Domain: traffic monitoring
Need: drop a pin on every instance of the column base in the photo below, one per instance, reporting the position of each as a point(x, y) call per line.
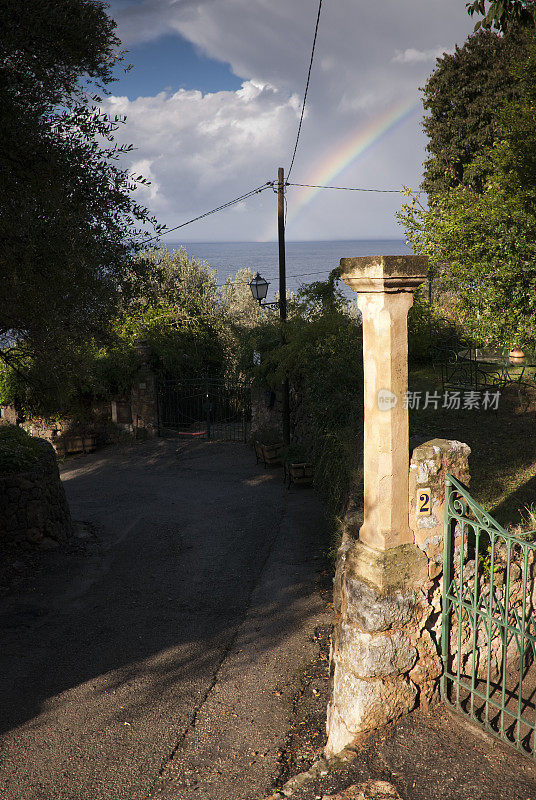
point(397, 568)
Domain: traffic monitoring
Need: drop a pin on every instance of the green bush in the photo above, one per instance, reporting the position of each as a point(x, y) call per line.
point(322, 357)
point(19, 451)
point(430, 333)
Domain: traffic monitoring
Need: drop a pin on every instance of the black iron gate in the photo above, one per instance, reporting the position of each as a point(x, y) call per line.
point(209, 408)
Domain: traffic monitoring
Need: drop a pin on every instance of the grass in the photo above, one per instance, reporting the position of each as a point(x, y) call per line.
point(503, 447)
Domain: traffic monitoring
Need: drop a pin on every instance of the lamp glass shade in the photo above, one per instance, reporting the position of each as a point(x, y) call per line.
point(259, 287)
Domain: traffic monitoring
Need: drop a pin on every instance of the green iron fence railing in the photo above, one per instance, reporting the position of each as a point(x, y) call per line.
point(488, 630)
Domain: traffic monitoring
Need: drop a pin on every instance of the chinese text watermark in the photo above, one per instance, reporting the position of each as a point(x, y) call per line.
point(472, 400)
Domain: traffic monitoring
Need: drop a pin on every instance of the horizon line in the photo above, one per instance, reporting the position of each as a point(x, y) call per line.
point(287, 241)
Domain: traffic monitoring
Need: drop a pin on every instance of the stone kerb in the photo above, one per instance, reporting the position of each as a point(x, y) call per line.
point(33, 505)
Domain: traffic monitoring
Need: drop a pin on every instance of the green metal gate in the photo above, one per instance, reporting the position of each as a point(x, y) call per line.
point(488, 632)
point(208, 408)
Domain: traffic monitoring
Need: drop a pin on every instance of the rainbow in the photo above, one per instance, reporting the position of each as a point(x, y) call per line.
point(350, 150)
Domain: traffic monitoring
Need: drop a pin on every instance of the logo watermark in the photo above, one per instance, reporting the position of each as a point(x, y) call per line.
point(386, 400)
point(450, 400)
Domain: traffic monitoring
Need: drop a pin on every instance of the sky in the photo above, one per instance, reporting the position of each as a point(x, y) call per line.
point(213, 100)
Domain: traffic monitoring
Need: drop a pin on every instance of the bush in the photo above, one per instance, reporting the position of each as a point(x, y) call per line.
point(429, 333)
point(19, 451)
point(322, 357)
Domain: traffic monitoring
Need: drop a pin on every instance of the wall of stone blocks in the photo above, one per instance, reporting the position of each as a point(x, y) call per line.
point(386, 648)
point(33, 505)
point(385, 654)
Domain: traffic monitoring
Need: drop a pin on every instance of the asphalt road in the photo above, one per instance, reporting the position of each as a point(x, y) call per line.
point(157, 657)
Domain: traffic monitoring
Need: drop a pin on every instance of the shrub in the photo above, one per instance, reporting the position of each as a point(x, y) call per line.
point(18, 450)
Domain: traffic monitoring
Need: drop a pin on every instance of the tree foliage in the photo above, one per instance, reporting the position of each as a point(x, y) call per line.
point(69, 224)
point(192, 327)
point(321, 353)
point(461, 97)
point(503, 14)
point(483, 242)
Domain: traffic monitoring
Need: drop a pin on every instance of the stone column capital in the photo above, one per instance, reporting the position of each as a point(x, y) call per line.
point(384, 274)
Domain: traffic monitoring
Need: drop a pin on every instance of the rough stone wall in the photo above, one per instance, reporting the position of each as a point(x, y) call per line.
point(265, 416)
point(372, 654)
point(56, 431)
point(386, 647)
point(143, 399)
point(33, 506)
point(494, 648)
point(9, 415)
point(385, 655)
point(429, 464)
point(262, 414)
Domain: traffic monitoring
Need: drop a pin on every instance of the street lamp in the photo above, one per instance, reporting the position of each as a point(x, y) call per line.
point(259, 290)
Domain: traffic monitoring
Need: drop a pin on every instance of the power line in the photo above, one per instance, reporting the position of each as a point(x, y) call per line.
point(304, 274)
point(346, 188)
point(306, 90)
point(298, 275)
point(245, 196)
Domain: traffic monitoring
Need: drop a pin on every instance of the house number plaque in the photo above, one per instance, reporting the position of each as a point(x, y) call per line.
point(424, 502)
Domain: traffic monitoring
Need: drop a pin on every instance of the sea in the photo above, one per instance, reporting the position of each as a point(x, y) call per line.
point(306, 262)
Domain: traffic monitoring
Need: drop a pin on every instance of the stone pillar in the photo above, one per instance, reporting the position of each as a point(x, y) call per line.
point(384, 287)
point(378, 573)
point(144, 400)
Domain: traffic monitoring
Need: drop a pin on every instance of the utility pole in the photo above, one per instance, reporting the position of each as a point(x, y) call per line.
point(283, 293)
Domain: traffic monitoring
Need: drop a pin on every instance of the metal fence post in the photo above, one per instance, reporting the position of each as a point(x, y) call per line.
point(447, 577)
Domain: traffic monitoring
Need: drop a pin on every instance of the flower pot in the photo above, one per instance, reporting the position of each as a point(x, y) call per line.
point(299, 472)
point(516, 356)
point(269, 454)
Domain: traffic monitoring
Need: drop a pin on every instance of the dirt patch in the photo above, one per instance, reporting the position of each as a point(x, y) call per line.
point(307, 734)
point(431, 755)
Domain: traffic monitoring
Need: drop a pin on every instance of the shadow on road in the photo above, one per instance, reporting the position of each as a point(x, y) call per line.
point(129, 631)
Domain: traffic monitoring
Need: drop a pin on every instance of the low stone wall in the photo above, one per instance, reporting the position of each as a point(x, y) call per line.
point(386, 646)
point(266, 410)
point(33, 506)
point(493, 648)
point(385, 655)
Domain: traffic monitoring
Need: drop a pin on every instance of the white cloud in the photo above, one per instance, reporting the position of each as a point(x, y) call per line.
point(412, 56)
point(203, 149)
point(146, 193)
point(200, 150)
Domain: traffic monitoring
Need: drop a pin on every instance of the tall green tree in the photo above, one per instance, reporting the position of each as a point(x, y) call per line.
point(461, 98)
point(483, 239)
point(68, 221)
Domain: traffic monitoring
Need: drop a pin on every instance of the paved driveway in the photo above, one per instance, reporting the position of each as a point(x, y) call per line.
point(157, 657)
